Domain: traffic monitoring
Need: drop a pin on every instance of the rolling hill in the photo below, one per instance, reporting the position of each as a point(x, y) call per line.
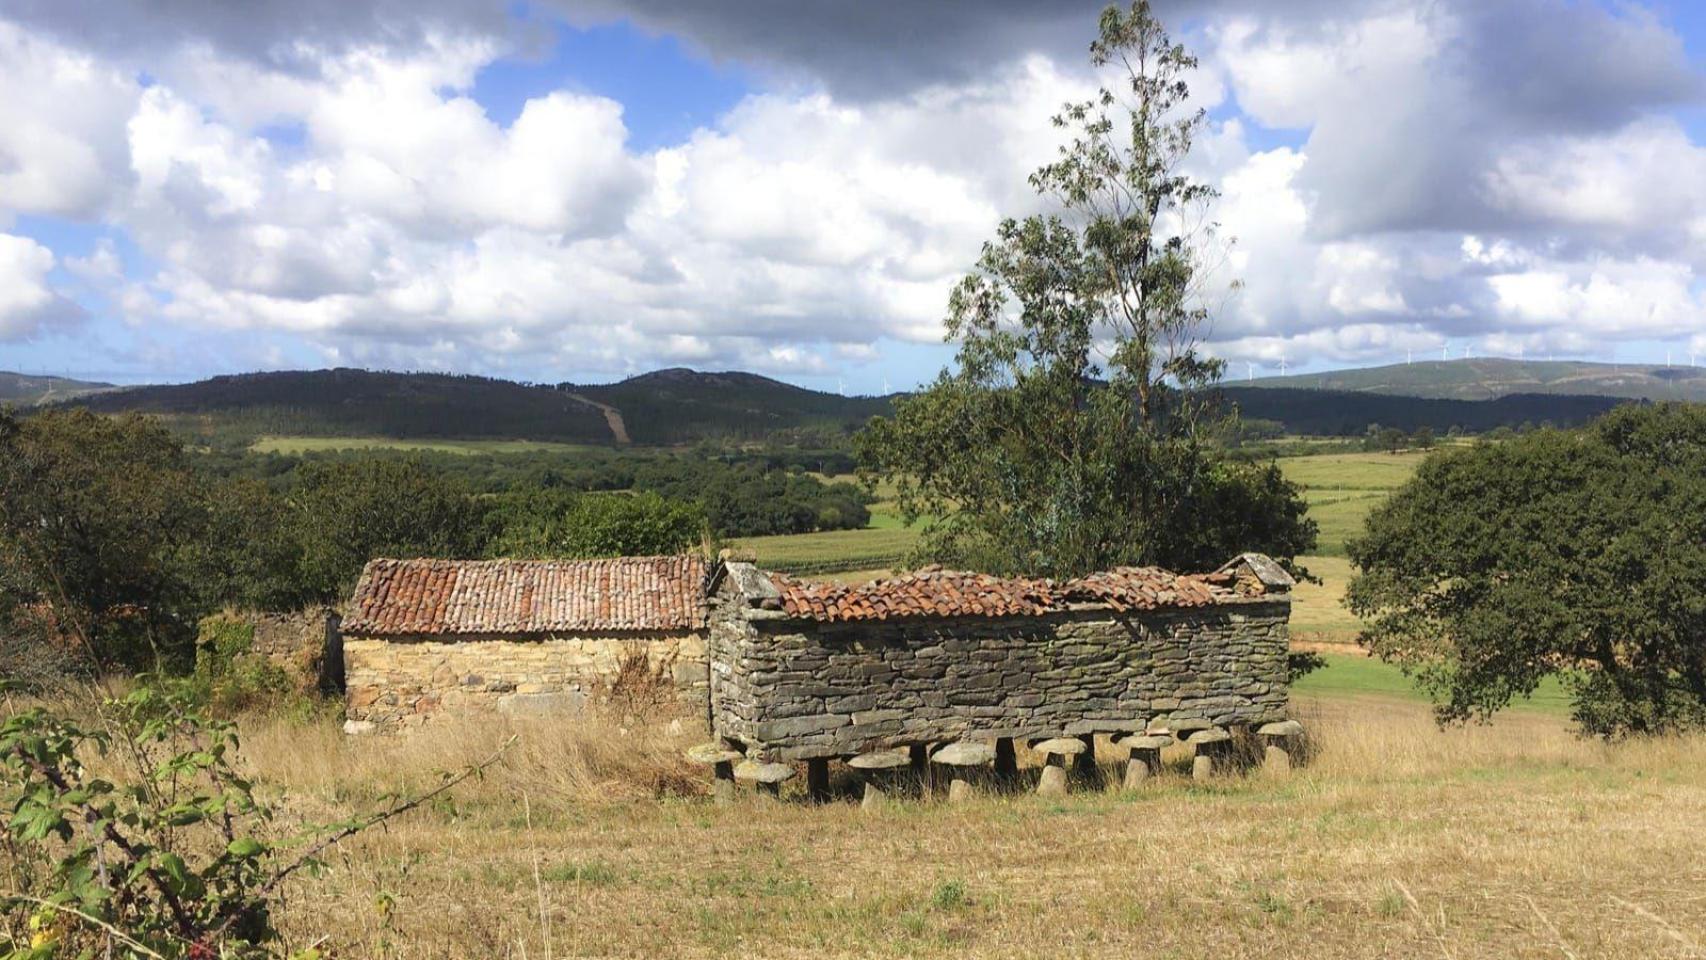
point(680, 406)
point(1338, 413)
point(27, 390)
point(1491, 378)
point(664, 407)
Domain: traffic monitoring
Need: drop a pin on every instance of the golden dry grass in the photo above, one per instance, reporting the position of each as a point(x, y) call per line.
point(1399, 840)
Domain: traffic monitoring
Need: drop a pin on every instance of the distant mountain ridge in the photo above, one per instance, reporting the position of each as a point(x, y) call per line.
point(662, 407)
point(680, 406)
point(27, 390)
point(1490, 378)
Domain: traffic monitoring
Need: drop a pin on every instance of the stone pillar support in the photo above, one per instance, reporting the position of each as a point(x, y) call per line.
point(1279, 742)
point(722, 762)
point(877, 771)
point(1145, 759)
point(1055, 750)
point(963, 756)
point(1210, 746)
point(766, 778)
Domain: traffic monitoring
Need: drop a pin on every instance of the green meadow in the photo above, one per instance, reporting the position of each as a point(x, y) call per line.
point(299, 445)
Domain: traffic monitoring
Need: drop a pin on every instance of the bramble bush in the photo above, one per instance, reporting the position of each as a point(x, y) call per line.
point(134, 835)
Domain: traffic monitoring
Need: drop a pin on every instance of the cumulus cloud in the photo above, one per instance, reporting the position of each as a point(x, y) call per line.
point(28, 304)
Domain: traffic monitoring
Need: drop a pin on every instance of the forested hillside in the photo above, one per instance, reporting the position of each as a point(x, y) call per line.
point(678, 406)
point(1487, 378)
point(1342, 413)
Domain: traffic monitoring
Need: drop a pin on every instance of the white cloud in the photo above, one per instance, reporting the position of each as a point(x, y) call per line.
point(61, 128)
point(1614, 299)
point(28, 304)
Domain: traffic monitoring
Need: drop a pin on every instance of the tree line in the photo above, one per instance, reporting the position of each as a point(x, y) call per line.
point(112, 529)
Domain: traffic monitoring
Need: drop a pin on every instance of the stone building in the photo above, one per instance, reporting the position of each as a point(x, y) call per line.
point(807, 671)
point(429, 637)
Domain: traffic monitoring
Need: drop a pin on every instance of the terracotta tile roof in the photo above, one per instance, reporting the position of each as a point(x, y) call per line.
point(450, 597)
point(950, 593)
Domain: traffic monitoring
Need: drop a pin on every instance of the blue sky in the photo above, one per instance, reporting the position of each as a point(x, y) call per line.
point(567, 190)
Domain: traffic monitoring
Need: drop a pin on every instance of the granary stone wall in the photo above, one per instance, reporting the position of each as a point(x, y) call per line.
point(305, 644)
point(792, 688)
point(398, 682)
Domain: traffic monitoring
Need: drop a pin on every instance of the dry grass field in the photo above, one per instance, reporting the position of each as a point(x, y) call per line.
point(1398, 840)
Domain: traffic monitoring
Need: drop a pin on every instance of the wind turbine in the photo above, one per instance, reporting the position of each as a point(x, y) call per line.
point(1249, 370)
point(841, 386)
point(1282, 365)
point(1444, 353)
point(1409, 356)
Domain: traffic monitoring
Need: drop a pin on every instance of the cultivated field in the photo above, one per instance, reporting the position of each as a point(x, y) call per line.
point(1399, 840)
point(299, 445)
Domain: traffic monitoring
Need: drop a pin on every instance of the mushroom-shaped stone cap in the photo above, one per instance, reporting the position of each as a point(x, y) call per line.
point(1178, 726)
point(758, 772)
point(881, 760)
point(964, 753)
point(1283, 728)
point(1059, 746)
point(1211, 735)
point(713, 753)
point(1154, 741)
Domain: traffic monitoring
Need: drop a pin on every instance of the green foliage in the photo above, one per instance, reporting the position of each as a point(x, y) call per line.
point(96, 516)
point(220, 640)
point(1580, 555)
point(348, 512)
point(560, 523)
point(1076, 433)
point(230, 679)
point(133, 835)
point(171, 859)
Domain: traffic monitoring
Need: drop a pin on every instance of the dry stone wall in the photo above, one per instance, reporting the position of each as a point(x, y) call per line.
point(398, 682)
point(787, 689)
point(302, 643)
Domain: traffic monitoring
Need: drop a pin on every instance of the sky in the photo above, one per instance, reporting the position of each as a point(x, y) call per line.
point(582, 190)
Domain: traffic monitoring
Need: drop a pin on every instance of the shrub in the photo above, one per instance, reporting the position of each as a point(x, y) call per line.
point(134, 836)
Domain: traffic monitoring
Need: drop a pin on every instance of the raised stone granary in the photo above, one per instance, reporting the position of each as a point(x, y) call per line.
point(430, 637)
point(808, 671)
